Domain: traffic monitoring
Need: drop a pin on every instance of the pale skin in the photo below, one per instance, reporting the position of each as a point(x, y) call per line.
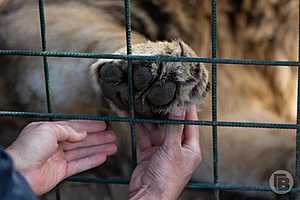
point(166, 163)
point(45, 153)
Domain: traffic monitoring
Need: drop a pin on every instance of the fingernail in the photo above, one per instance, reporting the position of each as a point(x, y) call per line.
point(179, 112)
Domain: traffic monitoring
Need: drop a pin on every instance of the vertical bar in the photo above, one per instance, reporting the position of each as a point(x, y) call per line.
point(44, 48)
point(46, 68)
point(297, 181)
point(214, 93)
point(130, 81)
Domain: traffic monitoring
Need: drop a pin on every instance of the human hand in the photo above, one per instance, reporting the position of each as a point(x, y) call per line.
point(47, 152)
point(166, 164)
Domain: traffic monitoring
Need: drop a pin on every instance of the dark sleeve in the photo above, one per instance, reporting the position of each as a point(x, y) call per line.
point(12, 184)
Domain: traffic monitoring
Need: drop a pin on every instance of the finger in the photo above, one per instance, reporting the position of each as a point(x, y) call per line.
point(64, 133)
point(92, 140)
point(191, 132)
point(143, 136)
point(77, 166)
point(84, 125)
point(77, 154)
point(174, 132)
point(57, 131)
point(156, 134)
point(150, 127)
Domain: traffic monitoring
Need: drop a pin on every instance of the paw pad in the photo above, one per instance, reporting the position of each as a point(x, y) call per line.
point(158, 86)
point(162, 93)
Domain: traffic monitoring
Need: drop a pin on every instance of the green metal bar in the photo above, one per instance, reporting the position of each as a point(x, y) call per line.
point(163, 58)
point(190, 185)
point(44, 48)
point(58, 116)
point(214, 95)
point(46, 68)
point(130, 83)
point(214, 60)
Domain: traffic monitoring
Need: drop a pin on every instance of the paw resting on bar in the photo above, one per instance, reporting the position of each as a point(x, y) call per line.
point(158, 86)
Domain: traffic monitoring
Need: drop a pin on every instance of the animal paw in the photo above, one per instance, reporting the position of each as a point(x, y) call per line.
point(159, 87)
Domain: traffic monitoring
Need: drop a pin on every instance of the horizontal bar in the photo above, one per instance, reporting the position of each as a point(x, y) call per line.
point(191, 185)
point(257, 125)
point(59, 116)
point(148, 58)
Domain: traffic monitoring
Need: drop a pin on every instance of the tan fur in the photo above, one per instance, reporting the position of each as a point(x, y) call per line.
point(189, 80)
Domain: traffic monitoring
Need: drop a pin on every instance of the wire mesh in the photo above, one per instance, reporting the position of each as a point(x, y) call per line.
point(46, 68)
point(214, 95)
point(214, 60)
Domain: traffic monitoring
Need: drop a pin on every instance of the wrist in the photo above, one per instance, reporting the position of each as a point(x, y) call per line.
point(19, 167)
point(153, 193)
point(15, 158)
point(144, 192)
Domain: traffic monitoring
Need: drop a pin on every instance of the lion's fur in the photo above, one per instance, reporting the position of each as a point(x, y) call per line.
point(265, 30)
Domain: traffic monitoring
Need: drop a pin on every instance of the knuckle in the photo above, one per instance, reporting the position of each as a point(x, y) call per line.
point(111, 132)
point(114, 148)
point(51, 127)
point(197, 157)
point(177, 128)
point(34, 124)
point(42, 125)
point(197, 150)
point(113, 136)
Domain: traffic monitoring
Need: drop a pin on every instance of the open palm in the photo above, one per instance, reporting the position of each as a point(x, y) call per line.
point(47, 152)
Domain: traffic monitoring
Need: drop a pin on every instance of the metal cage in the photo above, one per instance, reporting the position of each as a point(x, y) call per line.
point(214, 123)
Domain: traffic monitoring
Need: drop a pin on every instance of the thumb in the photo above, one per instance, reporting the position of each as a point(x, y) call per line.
point(174, 132)
point(65, 133)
